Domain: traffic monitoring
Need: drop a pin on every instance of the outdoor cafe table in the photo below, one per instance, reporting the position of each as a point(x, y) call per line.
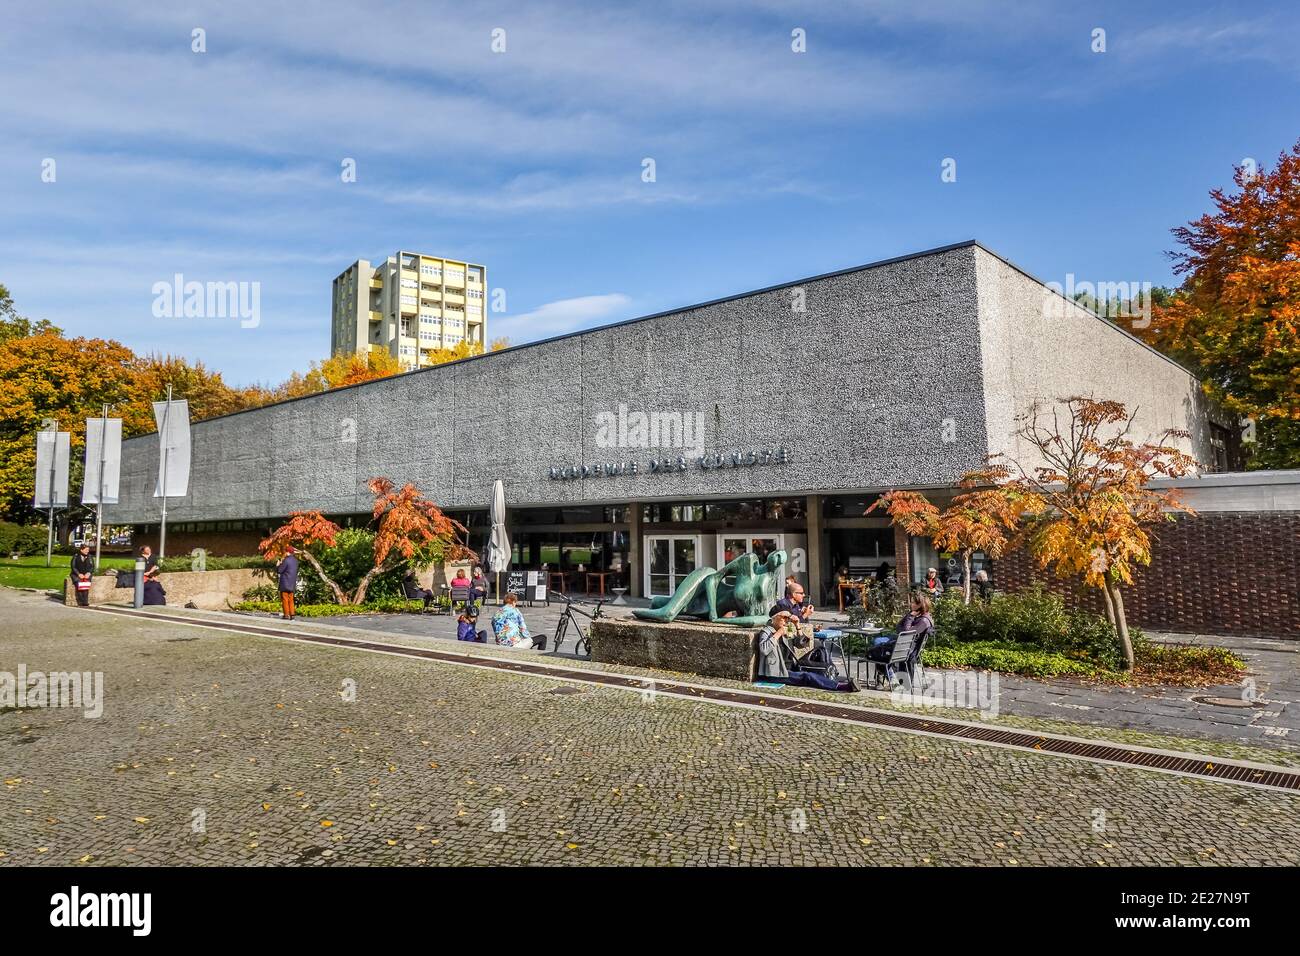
point(859, 586)
point(865, 632)
point(600, 577)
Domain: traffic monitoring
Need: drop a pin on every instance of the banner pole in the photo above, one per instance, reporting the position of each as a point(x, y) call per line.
point(162, 441)
point(54, 459)
point(103, 461)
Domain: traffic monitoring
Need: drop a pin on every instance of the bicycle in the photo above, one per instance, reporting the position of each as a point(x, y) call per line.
point(583, 640)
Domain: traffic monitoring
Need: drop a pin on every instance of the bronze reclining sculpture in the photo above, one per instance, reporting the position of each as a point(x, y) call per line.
point(743, 586)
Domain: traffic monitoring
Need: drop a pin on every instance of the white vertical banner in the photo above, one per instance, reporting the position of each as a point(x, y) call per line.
point(52, 452)
point(103, 448)
point(173, 420)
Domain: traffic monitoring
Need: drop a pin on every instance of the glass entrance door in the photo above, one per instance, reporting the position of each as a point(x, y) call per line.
point(732, 546)
point(668, 559)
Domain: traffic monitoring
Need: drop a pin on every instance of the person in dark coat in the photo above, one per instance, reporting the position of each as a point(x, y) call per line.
point(288, 569)
point(153, 592)
point(83, 568)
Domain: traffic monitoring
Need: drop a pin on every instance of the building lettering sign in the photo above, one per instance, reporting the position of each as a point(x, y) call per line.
point(670, 465)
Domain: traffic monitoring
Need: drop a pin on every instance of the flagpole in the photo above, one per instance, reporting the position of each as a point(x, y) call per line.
point(103, 460)
point(162, 441)
point(54, 464)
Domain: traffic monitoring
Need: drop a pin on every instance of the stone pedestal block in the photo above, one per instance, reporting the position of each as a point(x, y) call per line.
point(711, 650)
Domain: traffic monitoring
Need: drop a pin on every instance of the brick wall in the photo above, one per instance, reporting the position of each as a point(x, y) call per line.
point(1214, 573)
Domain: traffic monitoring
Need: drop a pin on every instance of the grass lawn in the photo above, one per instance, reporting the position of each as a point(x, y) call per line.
point(31, 572)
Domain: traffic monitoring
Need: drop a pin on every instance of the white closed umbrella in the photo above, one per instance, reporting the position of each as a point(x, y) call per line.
point(498, 556)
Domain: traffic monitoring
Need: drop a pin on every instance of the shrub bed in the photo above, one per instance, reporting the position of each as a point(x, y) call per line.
point(378, 606)
point(1032, 632)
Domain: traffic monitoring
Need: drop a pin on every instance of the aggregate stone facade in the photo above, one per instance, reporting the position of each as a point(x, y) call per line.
point(895, 374)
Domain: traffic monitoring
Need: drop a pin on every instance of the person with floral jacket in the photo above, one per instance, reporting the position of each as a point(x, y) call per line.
point(509, 626)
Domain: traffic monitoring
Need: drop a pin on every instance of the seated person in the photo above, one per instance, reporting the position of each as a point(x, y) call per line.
point(917, 619)
point(465, 626)
point(842, 576)
point(413, 592)
point(478, 586)
point(153, 592)
point(460, 580)
point(772, 647)
point(932, 585)
point(509, 627)
point(150, 562)
point(793, 603)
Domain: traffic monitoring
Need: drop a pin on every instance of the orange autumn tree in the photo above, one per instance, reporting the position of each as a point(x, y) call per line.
point(410, 529)
point(1236, 319)
point(1087, 500)
point(337, 371)
point(303, 531)
point(982, 518)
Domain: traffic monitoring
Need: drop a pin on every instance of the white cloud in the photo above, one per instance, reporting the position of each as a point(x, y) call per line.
point(560, 317)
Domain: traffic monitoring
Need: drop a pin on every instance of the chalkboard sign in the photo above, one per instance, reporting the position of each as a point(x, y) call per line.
point(515, 584)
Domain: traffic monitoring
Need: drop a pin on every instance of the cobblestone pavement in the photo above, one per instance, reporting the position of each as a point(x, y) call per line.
point(439, 764)
point(1270, 719)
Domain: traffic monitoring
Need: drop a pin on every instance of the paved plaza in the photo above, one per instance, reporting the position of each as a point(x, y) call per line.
point(224, 748)
point(1264, 713)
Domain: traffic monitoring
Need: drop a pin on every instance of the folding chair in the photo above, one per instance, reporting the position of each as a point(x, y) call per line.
point(412, 591)
point(459, 599)
point(900, 661)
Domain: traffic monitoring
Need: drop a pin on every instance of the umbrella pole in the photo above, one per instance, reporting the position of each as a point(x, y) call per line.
point(498, 587)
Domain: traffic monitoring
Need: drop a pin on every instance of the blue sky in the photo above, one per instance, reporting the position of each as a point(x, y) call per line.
point(771, 165)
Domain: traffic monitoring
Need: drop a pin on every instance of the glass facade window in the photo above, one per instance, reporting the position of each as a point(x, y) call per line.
point(847, 506)
point(659, 513)
point(748, 510)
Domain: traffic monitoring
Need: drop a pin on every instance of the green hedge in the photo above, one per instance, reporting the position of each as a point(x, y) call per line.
point(1009, 658)
point(1036, 618)
point(25, 539)
point(380, 606)
point(186, 562)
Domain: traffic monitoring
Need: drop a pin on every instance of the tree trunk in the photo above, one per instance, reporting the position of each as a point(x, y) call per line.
point(1110, 607)
point(965, 572)
point(1121, 624)
point(360, 596)
point(339, 596)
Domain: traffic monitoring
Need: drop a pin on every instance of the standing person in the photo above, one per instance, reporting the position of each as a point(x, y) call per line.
point(83, 568)
point(288, 570)
point(983, 585)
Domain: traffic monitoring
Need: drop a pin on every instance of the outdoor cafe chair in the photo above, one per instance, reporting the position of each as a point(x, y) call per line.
point(904, 661)
point(459, 599)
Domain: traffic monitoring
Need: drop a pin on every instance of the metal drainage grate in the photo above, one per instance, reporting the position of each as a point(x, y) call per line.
point(1226, 702)
point(1211, 768)
point(567, 689)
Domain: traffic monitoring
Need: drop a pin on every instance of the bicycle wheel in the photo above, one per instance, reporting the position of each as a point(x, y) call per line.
point(561, 628)
point(582, 647)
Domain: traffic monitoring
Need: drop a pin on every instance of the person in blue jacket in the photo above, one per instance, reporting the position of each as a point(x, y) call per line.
point(465, 626)
point(288, 569)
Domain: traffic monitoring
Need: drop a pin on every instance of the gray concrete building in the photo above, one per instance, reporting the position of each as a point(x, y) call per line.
point(642, 449)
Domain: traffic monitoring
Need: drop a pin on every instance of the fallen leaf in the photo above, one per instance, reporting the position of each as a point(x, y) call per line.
point(327, 823)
